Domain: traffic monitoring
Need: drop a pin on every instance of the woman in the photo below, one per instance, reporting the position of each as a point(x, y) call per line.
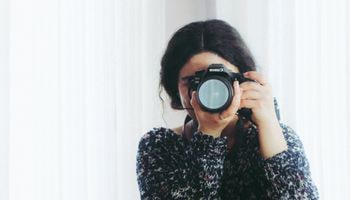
point(220, 155)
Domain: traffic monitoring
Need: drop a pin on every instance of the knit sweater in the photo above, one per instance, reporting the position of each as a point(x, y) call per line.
point(171, 167)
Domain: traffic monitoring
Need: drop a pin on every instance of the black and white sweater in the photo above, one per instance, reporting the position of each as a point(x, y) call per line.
point(171, 167)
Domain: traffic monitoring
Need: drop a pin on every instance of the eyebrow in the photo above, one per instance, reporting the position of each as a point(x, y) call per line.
point(186, 77)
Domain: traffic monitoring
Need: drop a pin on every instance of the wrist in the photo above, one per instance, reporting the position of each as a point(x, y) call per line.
point(271, 139)
point(273, 122)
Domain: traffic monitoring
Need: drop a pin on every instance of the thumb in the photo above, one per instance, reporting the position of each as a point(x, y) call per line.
point(194, 101)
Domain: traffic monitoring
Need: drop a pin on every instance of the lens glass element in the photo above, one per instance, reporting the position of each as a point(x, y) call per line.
point(213, 93)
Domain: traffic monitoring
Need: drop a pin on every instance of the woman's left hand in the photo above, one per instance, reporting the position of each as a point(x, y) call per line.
point(258, 97)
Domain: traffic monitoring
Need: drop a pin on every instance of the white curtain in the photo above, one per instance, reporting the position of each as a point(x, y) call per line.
point(79, 87)
point(303, 47)
point(75, 96)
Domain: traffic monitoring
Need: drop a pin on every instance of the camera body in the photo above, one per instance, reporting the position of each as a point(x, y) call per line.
point(214, 88)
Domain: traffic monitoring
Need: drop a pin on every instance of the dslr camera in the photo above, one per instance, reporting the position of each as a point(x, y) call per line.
point(214, 89)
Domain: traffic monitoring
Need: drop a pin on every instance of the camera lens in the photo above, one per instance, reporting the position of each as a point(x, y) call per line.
point(213, 94)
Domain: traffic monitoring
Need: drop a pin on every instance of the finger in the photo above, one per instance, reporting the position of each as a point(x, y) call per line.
point(231, 110)
point(251, 95)
point(237, 94)
point(256, 76)
point(248, 103)
point(196, 106)
point(194, 102)
point(249, 85)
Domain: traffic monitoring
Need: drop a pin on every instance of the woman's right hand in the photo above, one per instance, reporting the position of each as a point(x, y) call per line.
point(213, 123)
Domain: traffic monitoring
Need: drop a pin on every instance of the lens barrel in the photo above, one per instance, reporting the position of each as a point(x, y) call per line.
point(214, 88)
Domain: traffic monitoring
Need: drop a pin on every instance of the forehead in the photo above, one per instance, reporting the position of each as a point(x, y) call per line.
point(201, 61)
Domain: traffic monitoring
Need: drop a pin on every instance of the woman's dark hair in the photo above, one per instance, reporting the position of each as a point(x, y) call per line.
point(215, 36)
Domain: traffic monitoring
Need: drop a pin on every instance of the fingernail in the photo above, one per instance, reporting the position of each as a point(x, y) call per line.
point(246, 73)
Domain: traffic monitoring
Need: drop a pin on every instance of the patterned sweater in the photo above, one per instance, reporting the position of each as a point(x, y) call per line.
point(171, 167)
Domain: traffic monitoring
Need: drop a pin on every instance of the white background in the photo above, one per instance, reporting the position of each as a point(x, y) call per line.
point(79, 87)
